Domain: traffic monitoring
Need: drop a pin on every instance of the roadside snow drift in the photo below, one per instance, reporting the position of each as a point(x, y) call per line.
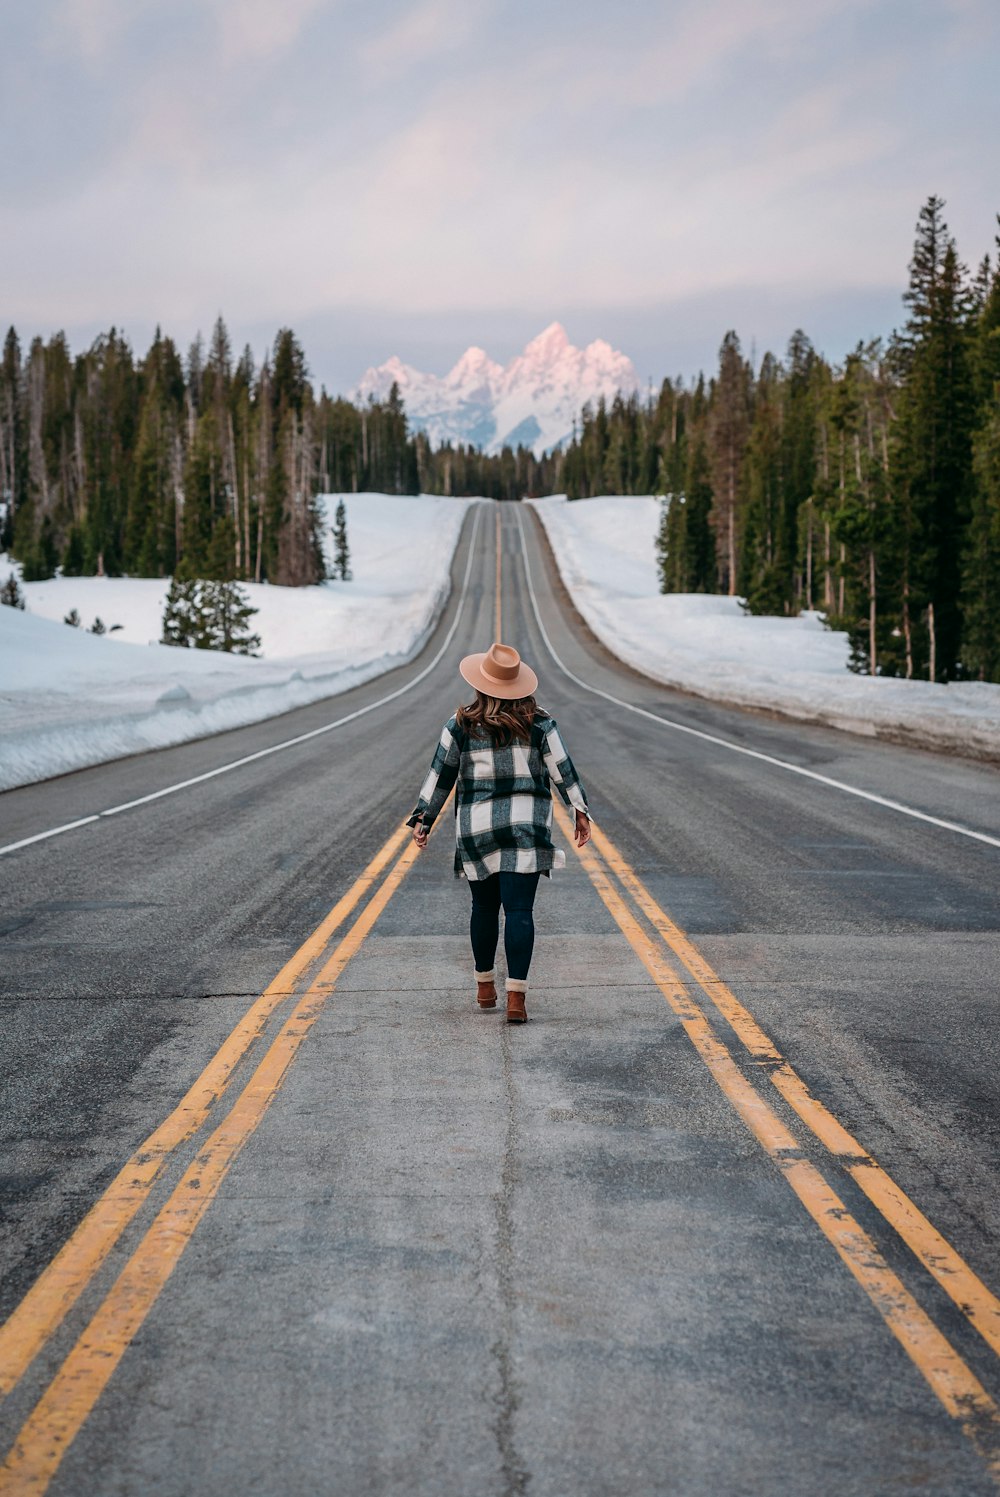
point(706, 645)
point(69, 698)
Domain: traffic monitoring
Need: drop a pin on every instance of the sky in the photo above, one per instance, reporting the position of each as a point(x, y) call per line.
point(414, 176)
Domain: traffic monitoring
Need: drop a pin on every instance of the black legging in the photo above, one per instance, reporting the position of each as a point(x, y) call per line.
point(516, 892)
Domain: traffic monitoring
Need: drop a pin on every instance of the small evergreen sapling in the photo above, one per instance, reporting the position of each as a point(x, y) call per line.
point(205, 615)
point(229, 612)
point(98, 626)
point(341, 550)
point(11, 593)
point(183, 617)
point(72, 619)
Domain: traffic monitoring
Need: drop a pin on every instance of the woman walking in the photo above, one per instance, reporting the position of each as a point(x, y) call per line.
point(505, 754)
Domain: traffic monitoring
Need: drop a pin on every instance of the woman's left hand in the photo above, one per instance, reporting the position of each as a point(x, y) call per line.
point(581, 834)
point(420, 833)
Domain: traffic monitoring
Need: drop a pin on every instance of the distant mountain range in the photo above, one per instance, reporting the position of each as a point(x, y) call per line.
point(532, 401)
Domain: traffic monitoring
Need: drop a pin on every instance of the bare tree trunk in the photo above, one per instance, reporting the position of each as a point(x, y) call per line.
point(177, 479)
point(38, 476)
point(824, 445)
point(246, 507)
point(841, 581)
point(933, 641)
point(809, 559)
point(234, 488)
point(263, 464)
point(907, 632)
point(872, 652)
point(79, 465)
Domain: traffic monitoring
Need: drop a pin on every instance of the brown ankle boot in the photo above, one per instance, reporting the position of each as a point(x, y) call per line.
point(486, 992)
point(516, 1012)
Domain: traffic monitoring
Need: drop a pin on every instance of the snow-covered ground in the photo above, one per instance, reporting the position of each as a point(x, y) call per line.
point(605, 550)
point(70, 698)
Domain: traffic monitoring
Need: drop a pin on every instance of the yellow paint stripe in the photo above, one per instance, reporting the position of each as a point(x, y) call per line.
point(954, 1383)
point(934, 1251)
point(60, 1285)
point(69, 1399)
point(499, 615)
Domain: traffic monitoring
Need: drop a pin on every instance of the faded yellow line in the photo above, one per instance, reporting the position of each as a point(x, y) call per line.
point(499, 615)
point(954, 1383)
point(60, 1285)
point(69, 1399)
point(935, 1252)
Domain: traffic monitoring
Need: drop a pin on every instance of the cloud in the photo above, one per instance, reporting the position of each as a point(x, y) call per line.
point(285, 161)
point(427, 30)
point(94, 28)
point(261, 29)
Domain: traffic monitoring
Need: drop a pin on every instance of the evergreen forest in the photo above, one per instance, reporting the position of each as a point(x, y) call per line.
point(869, 490)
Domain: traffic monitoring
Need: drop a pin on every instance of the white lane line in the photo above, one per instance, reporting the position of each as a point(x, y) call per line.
point(738, 748)
point(275, 748)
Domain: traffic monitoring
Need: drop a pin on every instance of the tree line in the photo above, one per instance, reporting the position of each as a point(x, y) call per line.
point(198, 466)
point(202, 465)
point(869, 490)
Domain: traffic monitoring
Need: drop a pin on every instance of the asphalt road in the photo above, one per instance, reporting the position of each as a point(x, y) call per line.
point(418, 1251)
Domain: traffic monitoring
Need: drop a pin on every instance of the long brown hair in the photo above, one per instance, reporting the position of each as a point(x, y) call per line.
point(503, 721)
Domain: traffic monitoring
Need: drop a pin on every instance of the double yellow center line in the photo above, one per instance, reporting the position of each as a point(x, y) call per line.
point(672, 961)
point(86, 1371)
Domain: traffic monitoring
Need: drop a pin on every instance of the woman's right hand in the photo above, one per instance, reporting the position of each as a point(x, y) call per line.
point(420, 833)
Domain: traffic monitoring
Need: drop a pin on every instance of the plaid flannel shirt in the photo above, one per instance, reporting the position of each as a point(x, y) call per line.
point(503, 805)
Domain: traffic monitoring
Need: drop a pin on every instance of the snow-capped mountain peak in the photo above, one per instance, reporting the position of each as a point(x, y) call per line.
point(548, 346)
point(475, 370)
point(532, 401)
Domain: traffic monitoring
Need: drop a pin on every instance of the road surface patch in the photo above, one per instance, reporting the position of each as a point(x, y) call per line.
point(951, 1379)
point(937, 1255)
point(78, 1384)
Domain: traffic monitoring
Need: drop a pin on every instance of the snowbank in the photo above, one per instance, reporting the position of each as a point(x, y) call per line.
point(605, 551)
point(69, 698)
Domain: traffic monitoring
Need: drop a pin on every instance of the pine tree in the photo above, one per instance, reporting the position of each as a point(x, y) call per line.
point(341, 551)
point(74, 555)
point(295, 517)
point(206, 614)
point(98, 626)
point(11, 594)
point(670, 544)
point(228, 610)
point(764, 573)
point(932, 453)
point(699, 546)
point(184, 622)
point(862, 518)
point(72, 619)
point(12, 437)
point(151, 525)
point(728, 438)
point(981, 560)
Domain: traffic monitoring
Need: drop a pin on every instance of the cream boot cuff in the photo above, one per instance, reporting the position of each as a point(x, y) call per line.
point(517, 984)
point(486, 976)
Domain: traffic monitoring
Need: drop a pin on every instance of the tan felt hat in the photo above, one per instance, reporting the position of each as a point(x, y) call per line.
point(500, 672)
